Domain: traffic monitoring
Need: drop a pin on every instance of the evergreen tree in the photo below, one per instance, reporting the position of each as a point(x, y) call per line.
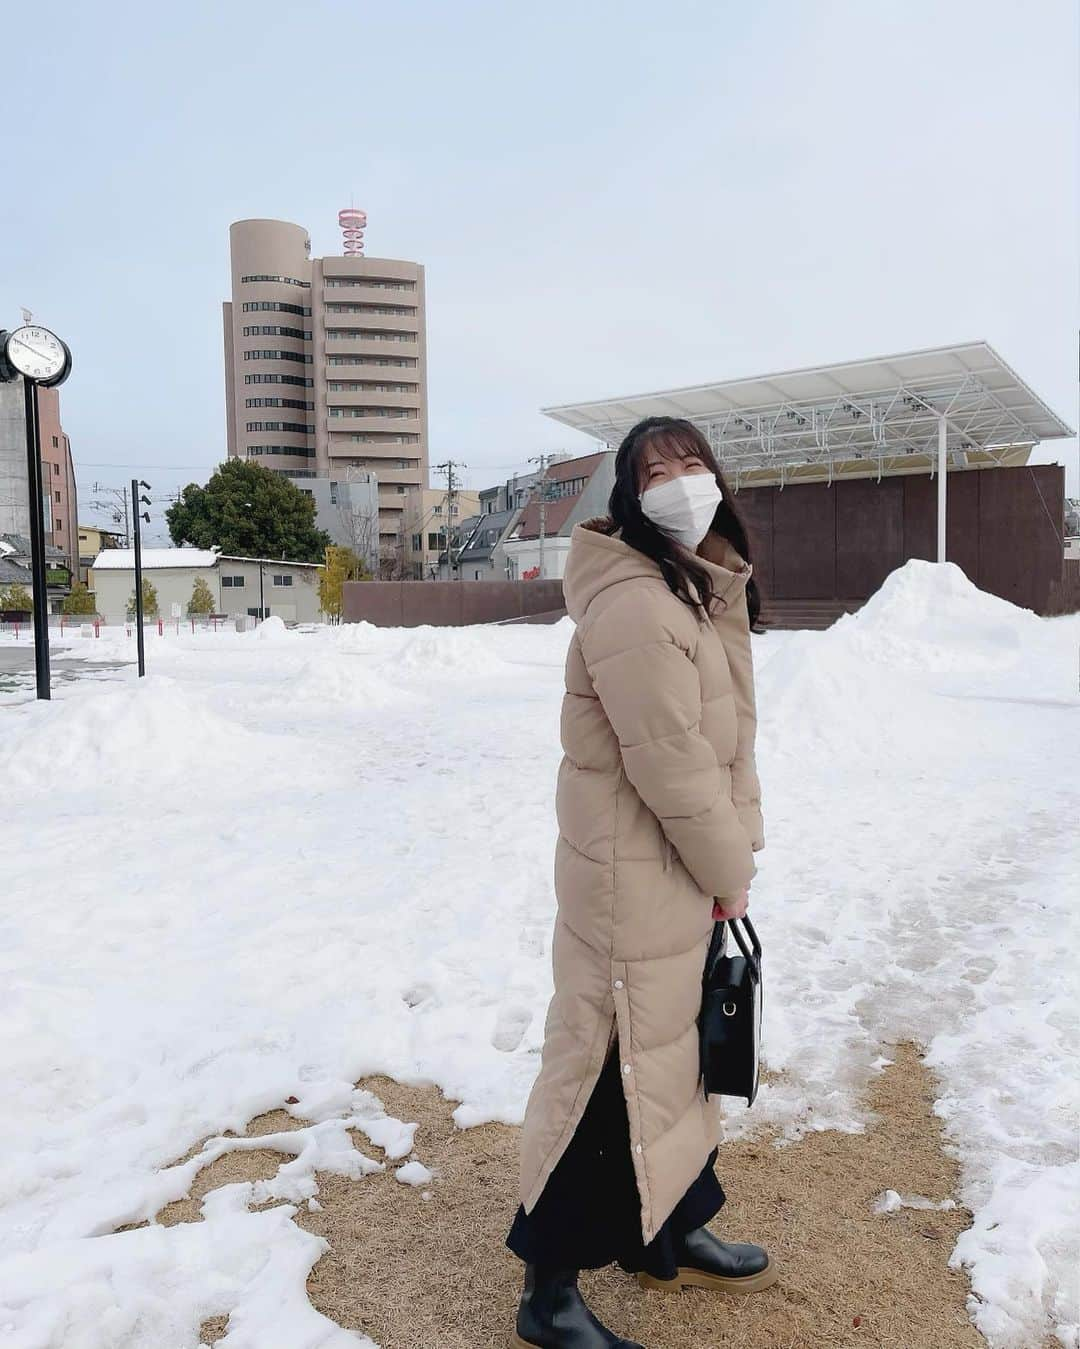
point(80, 601)
point(248, 511)
point(17, 598)
point(202, 598)
point(149, 601)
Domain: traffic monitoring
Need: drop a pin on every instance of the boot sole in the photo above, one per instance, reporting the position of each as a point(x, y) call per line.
point(516, 1342)
point(717, 1283)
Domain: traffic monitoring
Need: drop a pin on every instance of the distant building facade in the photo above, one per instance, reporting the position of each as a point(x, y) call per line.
point(427, 510)
point(482, 557)
point(326, 364)
point(347, 508)
point(93, 540)
point(573, 490)
point(59, 492)
point(240, 585)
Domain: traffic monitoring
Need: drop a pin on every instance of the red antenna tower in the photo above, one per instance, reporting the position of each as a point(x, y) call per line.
point(353, 223)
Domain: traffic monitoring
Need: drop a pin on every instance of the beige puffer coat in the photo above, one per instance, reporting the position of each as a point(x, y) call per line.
point(659, 811)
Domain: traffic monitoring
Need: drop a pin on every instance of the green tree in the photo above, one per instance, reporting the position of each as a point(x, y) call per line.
point(16, 597)
point(149, 601)
point(342, 565)
point(202, 598)
point(80, 601)
point(250, 512)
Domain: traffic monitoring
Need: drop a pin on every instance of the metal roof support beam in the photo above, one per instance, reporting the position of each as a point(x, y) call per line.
point(942, 479)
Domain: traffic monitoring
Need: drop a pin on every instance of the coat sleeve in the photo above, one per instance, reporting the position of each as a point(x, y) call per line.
point(733, 627)
point(650, 691)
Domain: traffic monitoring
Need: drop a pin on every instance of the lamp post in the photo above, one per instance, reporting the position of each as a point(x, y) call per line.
point(41, 359)
point(137, 501)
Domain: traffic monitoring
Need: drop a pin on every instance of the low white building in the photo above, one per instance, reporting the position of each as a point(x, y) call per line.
point(239, 585)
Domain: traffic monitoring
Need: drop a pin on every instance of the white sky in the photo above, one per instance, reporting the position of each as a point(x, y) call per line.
point(608, 197)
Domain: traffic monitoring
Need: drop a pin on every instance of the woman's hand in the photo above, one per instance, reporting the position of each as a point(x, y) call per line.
point(735, 907)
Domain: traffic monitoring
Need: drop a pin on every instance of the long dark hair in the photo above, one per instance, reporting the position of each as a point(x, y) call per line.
point(675, 438)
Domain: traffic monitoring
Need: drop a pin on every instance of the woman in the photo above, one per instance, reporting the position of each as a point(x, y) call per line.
point(659, 815)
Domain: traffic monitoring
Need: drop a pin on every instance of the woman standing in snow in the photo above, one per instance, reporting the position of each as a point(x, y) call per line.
point(659, 815)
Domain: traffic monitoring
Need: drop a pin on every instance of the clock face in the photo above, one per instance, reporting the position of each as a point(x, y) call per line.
point(35, 352)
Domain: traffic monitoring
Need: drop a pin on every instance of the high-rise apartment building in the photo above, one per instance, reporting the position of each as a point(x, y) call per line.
point(325, 364)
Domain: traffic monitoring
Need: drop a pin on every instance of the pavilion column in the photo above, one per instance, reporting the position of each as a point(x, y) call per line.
point(942, 436)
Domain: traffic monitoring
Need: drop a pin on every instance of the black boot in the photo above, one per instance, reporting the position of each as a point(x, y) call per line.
point(704, 1261)
point(553, 1315)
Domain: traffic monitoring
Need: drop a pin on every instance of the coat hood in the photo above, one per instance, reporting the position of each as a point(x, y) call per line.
point(599, 558)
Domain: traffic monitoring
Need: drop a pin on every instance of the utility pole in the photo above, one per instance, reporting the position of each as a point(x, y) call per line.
point(137, 501)
point(451, 492)
point(542, 485)
point(117, 508)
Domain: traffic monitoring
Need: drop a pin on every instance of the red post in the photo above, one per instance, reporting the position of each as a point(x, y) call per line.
point(160, 628)
point(97, 628)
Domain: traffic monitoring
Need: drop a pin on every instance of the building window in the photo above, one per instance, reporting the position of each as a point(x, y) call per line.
point(367, 335)
point(283, 580)
point(417, 543)
point(434, 542)
point(56, 443)
point(275, 330)
point(298, 403)
point(58, 496)
point(283, 280)
point(298, 428)
point(56, 470)
point(279, 379)
point(301, 451)
point(232, 583)
point(278, 356)
point(56, 524)
point(403, 362)
point(370, 283)
point(277, 307)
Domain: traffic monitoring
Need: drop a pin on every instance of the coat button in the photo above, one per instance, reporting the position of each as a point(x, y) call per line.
point(626, 1068)
point(618, 983)
point(637, 1147)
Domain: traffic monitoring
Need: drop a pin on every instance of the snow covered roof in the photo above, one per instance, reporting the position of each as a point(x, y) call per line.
point(882, 410)
point(158, 559)
point(154, 559)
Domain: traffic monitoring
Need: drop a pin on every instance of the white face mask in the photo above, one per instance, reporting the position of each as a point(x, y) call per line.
point(683, 507)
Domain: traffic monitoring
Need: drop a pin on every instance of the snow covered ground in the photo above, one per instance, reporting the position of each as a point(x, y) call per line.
point(286, 860)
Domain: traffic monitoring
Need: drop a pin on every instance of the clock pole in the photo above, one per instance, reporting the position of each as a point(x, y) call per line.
point(39, 357)
point(37, 539)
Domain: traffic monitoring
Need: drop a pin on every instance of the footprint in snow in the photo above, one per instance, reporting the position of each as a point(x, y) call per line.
point(510, 1027)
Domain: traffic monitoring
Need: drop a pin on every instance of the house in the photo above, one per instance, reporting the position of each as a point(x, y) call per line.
point(240, 585)
point(424, 529)
point(15, 548)
point(482, 558)
point(93, 540)
point(572, 490)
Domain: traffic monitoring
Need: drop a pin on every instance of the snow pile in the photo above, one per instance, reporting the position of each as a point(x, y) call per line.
point(273, 629)
point(234, 901)
point(931, 617)
point(328, 681)
point(447, 651)
point(153, 733)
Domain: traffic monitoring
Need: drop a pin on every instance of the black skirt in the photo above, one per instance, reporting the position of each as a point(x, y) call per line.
point(589, 1212)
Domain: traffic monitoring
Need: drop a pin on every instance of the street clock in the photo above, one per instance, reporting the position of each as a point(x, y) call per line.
point(35, 353)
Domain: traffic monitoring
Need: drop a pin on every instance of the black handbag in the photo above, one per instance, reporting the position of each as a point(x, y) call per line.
point(730, 1017)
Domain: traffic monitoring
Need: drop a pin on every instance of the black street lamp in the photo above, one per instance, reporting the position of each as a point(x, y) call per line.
point(42, 359)
point(137, 501)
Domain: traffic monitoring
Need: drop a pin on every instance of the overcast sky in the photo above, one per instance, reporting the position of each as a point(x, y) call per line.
point(609, 196)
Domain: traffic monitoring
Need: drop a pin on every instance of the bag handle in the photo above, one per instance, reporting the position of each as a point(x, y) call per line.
point(752, 952)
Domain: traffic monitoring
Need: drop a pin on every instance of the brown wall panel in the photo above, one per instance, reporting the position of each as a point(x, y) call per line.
point(1021, 524)
point(804, 540)
point(869, 534)
point(755, 507)
point(920, 517)
point(412, 604)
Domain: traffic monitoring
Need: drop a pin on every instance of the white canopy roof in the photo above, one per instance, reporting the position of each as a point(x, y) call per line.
point(880, 410)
